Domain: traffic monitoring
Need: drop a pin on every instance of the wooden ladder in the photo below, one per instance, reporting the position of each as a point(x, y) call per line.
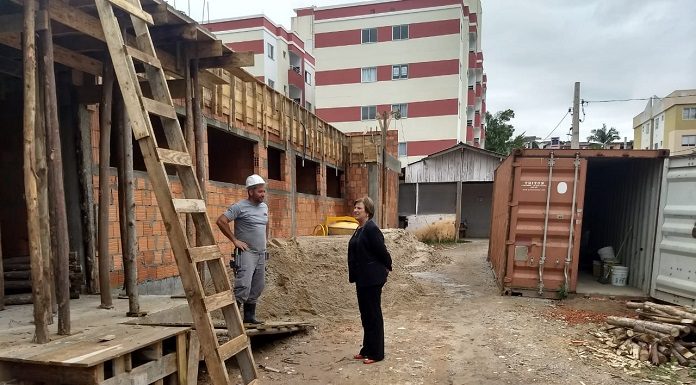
point(139, 109)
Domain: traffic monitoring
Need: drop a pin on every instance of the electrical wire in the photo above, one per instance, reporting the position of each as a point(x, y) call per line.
point(559, 123)
point(635, 99)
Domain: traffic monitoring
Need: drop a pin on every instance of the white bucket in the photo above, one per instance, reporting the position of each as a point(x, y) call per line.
point(606, 253)
point(619, 275)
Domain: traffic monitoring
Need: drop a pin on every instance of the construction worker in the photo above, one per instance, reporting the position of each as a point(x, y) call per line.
point(251, 230)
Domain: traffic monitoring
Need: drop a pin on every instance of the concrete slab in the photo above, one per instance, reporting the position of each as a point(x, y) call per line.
point(587, 284)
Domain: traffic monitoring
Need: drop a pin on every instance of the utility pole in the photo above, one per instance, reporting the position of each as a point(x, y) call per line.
point(575, 137)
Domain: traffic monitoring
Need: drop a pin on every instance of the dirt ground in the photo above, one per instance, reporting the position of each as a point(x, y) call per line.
point(451, 327)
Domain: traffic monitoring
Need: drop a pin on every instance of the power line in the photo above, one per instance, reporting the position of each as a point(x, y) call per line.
point(634, 99)
point(559, 123)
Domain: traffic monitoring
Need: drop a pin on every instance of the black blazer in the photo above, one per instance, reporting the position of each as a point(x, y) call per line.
point(369, 261)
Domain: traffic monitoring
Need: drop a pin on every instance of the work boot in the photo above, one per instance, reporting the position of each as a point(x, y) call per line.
point(250, 314)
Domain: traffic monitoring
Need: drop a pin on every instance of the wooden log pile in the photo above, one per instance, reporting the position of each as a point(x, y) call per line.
point(660, 334)
point(17, 279)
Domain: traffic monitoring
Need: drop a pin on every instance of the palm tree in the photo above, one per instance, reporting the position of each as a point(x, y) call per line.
point(604, 136)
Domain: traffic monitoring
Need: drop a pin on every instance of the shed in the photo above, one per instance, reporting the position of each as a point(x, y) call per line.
point(455, 184)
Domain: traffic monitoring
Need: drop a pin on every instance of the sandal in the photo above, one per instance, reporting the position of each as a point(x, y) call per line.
point(368, 361)
point(359, 357)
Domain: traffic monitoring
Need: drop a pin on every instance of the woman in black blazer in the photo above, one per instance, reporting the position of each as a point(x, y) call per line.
point(369, 263)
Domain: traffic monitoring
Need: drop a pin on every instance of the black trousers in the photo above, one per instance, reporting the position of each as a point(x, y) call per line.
point(370, 305)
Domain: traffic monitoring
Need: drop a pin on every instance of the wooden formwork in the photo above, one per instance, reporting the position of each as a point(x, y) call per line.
point(119, 354)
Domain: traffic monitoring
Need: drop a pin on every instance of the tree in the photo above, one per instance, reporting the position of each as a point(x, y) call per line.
point(499, 133)
point(604, 136)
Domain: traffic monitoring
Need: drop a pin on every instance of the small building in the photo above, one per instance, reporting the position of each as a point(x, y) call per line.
point(454, 184)
point(668, 123)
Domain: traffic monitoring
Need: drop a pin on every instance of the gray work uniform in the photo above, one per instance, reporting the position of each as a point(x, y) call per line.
point(250, 222)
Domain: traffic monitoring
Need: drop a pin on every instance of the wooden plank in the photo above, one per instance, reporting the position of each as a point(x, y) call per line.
point(86, 174)
point(174, 157)
point(194, 349)
point(181, 358)
point(233, 346)
point(204, 253)
point(61, 55)
point(189, 205)
point(142, 57)
point(158, 108)
point(218, 300)
point(37, 373)
point(134, 10)
point(150, 372)
point(204, 49)
point(14, 23)
point(232, 59)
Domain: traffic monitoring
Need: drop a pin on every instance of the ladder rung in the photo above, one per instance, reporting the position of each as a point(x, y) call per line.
point(174, 157)
point(133, 10)
point(218, 300)
point(204, 253)
point(233, 346)
point(158, 108)
point(143, 57)
point(189, 205)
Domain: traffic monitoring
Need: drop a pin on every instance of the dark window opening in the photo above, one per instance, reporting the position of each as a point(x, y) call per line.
point(276, 163)
point(230, 158)
point(306, 171)
point(333, 182)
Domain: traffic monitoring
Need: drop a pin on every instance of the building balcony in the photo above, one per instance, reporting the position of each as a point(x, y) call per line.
point(472, 59)
point(478, 90)
point(295, 77)
point(470, 97)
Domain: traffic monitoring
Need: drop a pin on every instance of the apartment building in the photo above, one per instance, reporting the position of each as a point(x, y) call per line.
point(280, 58)
point(421, 59)
point(668, 122)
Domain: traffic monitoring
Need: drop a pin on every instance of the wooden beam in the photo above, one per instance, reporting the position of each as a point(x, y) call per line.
point(241, 74)
point(13, 23)
point(105, 112)
point(58, 212)
point(85, 170)
point(41, 307)
point(174, 32)
point(61, 55)
point(91, 94)
point(204, 49)
point(232, 59)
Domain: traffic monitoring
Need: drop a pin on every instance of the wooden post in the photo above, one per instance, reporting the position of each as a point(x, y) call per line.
point(105, 111)
point(41, 306)
point(44, 207)
point(129, 241)
point(59, 220)
point(458, 213)
point(87, 204)
point(200, 134)
point(190, 140)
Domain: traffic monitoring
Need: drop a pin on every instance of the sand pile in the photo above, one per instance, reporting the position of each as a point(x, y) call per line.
point(437, 232)
point(308, 276)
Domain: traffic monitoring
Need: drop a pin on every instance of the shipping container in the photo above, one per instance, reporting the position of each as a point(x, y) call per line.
point(554, 209)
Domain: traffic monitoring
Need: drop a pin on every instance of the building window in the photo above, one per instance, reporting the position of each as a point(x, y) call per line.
point(308, 77)
point(400, 110)
point(400, 71)
point(368, 75)
point(469, 122)
point(369, 35)
point(689, 113)
point(309, 106)
point(368, 112)
point(477, 142)
point(403, 149)
point(271, 83)
point(689, 140)
point(400, 32)
point(276, 163)
point(269, 50)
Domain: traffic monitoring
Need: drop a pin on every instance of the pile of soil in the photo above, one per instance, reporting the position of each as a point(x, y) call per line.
point(307, 277)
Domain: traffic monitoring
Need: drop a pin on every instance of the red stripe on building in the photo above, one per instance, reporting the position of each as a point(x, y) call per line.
point(433, 108)
point(255, 46)
point(370, 9)
point(433, 28)
point(469, 134)
point(427, 147)
point(329, 78)
point(473, 19)
point(336, 39)
point(384, 73)
point(339, 114)
point(384, 34)
point(433, 68)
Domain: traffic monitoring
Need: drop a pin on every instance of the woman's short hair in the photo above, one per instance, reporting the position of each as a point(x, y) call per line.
point(369, 205)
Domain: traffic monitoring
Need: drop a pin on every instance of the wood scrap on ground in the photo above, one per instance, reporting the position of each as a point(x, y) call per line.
point(660, 334)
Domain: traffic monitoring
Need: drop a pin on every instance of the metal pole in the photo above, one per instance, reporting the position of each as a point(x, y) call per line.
point(575, 138)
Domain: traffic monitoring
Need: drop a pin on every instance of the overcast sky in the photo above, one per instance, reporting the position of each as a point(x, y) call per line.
point(534, 51)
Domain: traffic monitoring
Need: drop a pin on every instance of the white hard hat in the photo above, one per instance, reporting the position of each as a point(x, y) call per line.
point(253, 180)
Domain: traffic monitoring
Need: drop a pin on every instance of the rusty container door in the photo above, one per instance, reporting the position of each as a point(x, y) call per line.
point(545, 223)
point(500, 218)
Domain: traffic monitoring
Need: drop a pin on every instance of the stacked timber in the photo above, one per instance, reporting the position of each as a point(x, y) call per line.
point(662, 333)
point(17, 274)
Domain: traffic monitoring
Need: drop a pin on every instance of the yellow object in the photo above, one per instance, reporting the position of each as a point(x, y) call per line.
point(340, 225)
point(319, 230)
